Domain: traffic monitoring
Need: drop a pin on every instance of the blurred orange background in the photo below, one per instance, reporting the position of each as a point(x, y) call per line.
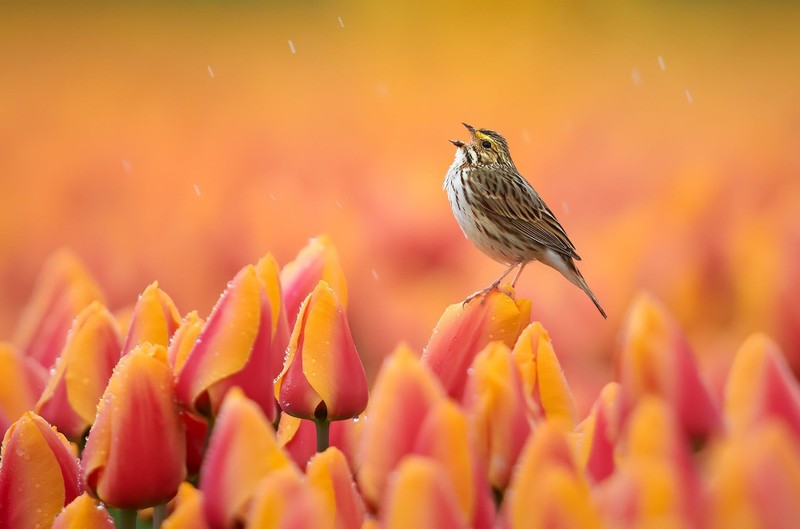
point(181, 142)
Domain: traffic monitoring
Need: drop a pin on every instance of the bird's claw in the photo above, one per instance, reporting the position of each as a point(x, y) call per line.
point(483, 294)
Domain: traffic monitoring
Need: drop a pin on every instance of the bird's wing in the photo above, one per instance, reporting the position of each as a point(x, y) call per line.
point(513, 202)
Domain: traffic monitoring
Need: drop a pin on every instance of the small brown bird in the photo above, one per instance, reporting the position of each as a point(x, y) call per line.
point(503, 215)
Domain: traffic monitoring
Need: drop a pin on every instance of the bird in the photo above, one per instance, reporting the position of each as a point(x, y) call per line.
point(501, 213)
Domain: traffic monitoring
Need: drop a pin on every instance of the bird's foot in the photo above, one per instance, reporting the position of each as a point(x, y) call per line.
point(494, 287)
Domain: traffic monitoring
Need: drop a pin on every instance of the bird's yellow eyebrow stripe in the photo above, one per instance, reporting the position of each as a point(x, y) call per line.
point(481, 136)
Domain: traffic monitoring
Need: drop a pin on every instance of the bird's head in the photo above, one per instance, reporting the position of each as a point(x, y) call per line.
point(486, 147)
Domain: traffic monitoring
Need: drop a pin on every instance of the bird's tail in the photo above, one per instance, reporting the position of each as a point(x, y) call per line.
point(580, 282)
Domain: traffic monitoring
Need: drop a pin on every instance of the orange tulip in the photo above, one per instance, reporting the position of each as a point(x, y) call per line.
point(154, 320)
point(83, 513)
point(656, 360)
point(318, 261)
point(69, 401)
point(323, 377)
point(496, 403)
point(283, 501)
point(241, 452)
point(135, 453)
point(463, 331)
point(599, 433)
point(188, 513)
point(329, 473)
point(38, 474)
point(63, 289)
point(761, 386)
point(21, 381)
point(237, 346)
point(405, 390)
point(421, 496)
point(183, 340)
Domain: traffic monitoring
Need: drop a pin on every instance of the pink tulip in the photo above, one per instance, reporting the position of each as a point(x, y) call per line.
point(21, 381)
point(154, 320)
point(329, 473)
point(83, 513)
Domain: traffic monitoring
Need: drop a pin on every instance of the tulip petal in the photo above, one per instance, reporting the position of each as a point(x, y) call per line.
point(598, 434)
point(463, 331)
point(188, 513)
point(241, 452)
point(69, 401)
point(269, 273)
point(283, 501)
point(136, 450)
point(84, 513)
point(21, 380)
point(63, 289)
point(322, 365)
point(404, 392)
point(38, 474)
point(761, 386)
point(318, 261)
point(420, 496)
point(329, 473)
point(155, 318)
point(183, 340)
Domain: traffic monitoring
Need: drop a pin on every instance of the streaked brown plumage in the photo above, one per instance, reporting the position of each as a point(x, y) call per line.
point(503, 215)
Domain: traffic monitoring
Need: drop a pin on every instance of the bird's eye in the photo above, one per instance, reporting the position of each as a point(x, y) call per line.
point(486, 144)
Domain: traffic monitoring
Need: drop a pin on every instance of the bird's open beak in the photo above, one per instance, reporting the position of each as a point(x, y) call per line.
point(471, 130)
point(457, 143)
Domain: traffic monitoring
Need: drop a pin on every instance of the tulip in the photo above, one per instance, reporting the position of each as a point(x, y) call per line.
point(323, 378)
point(421, 496)
point(598, 434)
point(404, 392)
point(283, 501)
point(63, 289)
point(464, 330)
point(656, 360)
point(241, 452)
point(496, 404)
point(155, 318)
point(83, 513)
point(328, 472)
point(298, 438)
point(235, 347)
point(135, 453)
point(318, 261)
point(69, 401)
point(755, 479)
point(542, 376)
point(183, 340)
point(548, 489)
point(188, 513)
point(38, 474)
point(761, 386)
point(21, 381)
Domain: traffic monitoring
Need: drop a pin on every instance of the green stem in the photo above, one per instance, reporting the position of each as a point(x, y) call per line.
point(323, 434)
point(159, 515)
point(127, 518)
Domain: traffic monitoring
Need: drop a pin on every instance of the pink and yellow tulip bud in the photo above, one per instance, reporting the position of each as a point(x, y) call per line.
point(760, 387)
point(404, 392)
point(69, 401)
point(542, 376)
point(136, 450)
point(63, 289)
point(154, 320)
point(83, 513)
point(188, 513)
point(599, 433)
point(236, 347)
point(242, 451)
point(21, 381)
point(299, 438)
point(655, 477)
point(39, 474)
point(421, 496)
point(270, 276)
point(283, 501)
point(183, 340)
point(318, 261)
point(548, 490)
point(656, 360)
point(754, 479)
point(323, 377)
point(328, 472)
point(463, 331)
point(444, 436)
point(496, 403)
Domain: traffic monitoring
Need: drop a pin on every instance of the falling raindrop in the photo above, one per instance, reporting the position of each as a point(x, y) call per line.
point(661, 63)
point(291, 46)
point(210, 71)
point(637, 78)
point(375, 274)
point(341, 22)
point(126, 165)
point(338, 204)
point(689, 97)
point(197, 190)
point(565, 206)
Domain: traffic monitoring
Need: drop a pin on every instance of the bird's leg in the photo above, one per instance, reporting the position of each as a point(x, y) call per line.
point(519, 273)
point(491, 288)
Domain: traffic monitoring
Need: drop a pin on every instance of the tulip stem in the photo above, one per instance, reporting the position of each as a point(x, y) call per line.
point(159, 514)
point(323, 434)
point(127, 518)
